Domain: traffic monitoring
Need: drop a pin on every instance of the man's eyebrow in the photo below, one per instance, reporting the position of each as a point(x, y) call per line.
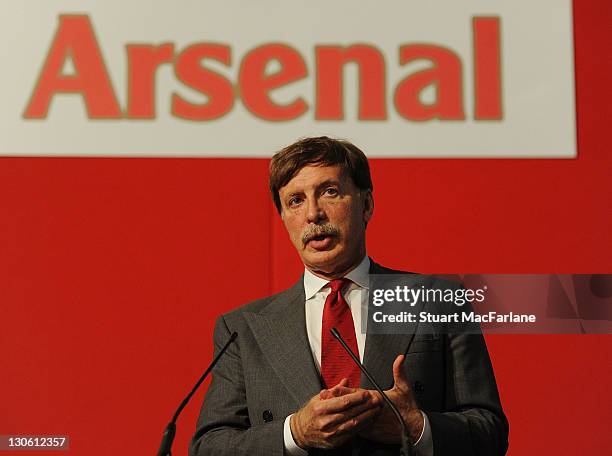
point(328, 182)
point(318, 186)
point(296, 193)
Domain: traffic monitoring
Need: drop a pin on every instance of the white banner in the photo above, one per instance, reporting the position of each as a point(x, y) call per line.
point(475, 78)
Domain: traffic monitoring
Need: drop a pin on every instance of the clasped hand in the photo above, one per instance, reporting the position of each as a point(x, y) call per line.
point(336, 415)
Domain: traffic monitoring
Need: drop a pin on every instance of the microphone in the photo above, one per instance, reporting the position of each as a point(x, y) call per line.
point(406, 446)
point(166, 443)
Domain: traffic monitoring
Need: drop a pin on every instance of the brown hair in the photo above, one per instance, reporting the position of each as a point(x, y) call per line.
point(318, 151)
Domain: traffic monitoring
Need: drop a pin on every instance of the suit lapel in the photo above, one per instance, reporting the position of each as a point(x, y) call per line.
point(280, 331)
point(380, 352)
point(382, 349)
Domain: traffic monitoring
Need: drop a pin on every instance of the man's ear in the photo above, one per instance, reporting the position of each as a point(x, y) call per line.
point(368, 205)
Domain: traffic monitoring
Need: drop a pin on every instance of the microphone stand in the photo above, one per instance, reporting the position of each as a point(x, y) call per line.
point(168, 437)
point(406, 446)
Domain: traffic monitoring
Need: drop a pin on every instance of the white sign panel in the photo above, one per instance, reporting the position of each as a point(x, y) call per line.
point(212, 78)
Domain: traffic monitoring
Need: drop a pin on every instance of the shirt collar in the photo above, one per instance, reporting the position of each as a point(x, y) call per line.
point(359, 276)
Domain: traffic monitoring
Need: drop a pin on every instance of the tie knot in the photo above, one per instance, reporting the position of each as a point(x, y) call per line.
point(338, 284)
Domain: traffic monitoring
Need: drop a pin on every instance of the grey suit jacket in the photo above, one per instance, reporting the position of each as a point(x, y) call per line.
point(269, 373)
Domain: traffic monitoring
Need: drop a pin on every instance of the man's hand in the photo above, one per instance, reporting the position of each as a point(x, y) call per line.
point(384, 427)
point(331, 421)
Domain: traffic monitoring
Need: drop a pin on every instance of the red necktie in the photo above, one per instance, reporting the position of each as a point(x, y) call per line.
point(336, 364)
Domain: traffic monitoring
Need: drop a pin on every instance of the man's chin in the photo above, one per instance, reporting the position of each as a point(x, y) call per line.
point(329, 263)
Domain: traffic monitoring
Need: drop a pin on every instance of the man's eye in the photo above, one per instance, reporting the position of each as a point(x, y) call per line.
point(294, 201)
point(331, 191)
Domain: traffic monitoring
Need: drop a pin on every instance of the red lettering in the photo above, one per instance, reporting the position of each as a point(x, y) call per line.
point(219, 90)
point(264, 70)
point(75, 38)
point(487, 69)
point(256, 84)
point(143, 61)
point(445, 74)
point(330, 89)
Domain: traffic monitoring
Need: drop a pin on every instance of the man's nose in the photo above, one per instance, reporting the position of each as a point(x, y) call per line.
point(314, 212)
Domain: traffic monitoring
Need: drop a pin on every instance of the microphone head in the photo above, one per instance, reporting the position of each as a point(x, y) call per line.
point(335, 333)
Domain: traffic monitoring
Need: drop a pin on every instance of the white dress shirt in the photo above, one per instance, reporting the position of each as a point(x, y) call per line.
point(356, 296)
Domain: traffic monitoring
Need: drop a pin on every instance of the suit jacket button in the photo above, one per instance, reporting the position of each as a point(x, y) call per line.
point(267, 416)
point(418, 387)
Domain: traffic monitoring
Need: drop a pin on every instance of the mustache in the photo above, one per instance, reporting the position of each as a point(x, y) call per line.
point(326, 229)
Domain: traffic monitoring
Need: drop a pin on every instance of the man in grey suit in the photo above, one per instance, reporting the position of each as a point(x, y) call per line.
point(285, 388)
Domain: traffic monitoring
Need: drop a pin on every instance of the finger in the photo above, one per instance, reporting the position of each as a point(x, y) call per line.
point(358, 422)
point(338, 391)
point(344, 402)
point(335, 420)
point(376, 398)
point(399, 377)
point(341, 383)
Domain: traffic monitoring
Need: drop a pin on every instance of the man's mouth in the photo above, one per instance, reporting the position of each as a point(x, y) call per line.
point(320, 241)
point(320, 237)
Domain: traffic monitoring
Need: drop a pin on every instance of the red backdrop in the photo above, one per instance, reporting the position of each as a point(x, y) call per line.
point(112, 272)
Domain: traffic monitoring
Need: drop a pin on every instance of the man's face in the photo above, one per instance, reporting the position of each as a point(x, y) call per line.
point(326, 215)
